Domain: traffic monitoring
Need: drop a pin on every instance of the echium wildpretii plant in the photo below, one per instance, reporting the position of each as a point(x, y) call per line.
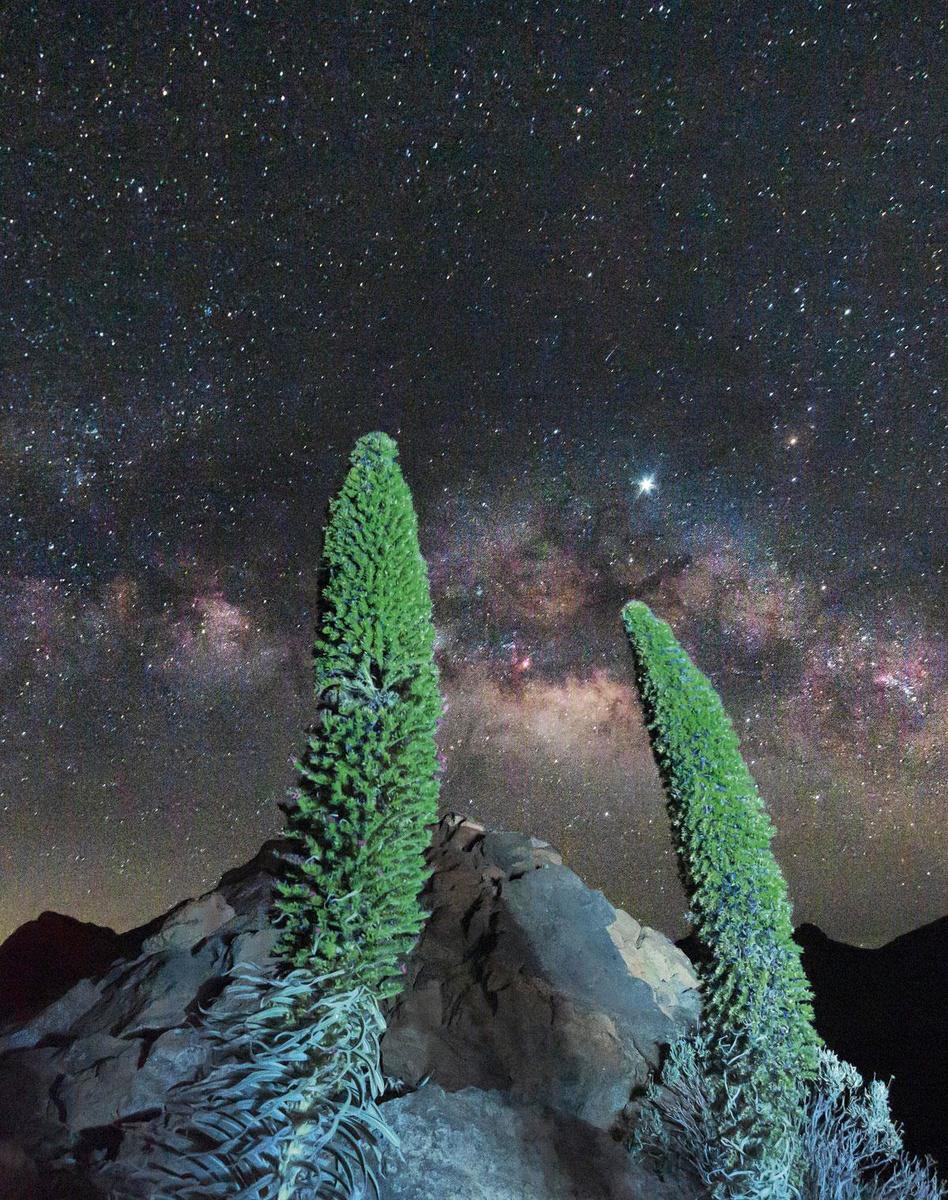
point(756, 1002)
point(288, 1111)
point(841, 1145)
point(368, 784)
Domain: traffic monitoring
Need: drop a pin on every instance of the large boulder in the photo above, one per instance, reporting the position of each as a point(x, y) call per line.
point(526, 980)
point(525, 983)
point(98, 1061)
point(477, 1145)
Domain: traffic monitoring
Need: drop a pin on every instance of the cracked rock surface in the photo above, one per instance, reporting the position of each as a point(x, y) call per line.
point(527, 989)
point(526, 980)
point(476, 1145)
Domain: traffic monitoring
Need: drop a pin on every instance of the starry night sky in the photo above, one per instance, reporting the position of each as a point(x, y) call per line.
point(554, 251)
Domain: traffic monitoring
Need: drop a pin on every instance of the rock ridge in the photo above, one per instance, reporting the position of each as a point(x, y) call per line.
point(527, 994)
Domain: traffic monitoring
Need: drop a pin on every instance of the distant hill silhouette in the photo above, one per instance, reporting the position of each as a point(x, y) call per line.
point(886, 1012)
point(43, 959)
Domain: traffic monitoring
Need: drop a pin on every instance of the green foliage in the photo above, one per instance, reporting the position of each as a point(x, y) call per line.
point(841, 1145)
point(756, 999)
point(289, 1110)
point(689, 1125)
point(851, 1148)
point(368, 786)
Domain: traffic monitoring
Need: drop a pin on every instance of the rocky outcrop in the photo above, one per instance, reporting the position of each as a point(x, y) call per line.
point(477, 1145)
point(525, 983)
point(88, 1072)
point(526, 980)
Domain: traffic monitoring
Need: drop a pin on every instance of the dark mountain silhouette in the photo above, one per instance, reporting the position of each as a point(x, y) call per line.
point(43, 959)
point(886, 1012)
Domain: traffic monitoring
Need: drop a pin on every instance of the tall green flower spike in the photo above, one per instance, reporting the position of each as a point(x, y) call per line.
point(755, 994)
point(368, 785)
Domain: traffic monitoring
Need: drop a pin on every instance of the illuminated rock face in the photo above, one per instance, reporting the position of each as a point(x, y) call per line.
point(87, 1074)
point(525, 982)
point(483, 1145)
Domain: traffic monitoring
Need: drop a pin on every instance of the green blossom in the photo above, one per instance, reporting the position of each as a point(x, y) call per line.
point(755, 996)
point(368, 782)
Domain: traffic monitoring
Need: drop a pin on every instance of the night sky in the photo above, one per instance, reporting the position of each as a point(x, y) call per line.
point(650, 298)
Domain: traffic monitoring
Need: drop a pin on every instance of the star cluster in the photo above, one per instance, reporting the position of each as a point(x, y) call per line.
point(650, 297)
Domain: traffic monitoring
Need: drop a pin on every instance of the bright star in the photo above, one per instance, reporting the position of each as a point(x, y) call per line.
point(647, 484)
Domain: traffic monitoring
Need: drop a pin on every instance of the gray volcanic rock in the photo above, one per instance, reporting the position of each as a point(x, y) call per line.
point(477, 1145)
point(524, 981)
point(98, 1061)
point(19, 1178)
